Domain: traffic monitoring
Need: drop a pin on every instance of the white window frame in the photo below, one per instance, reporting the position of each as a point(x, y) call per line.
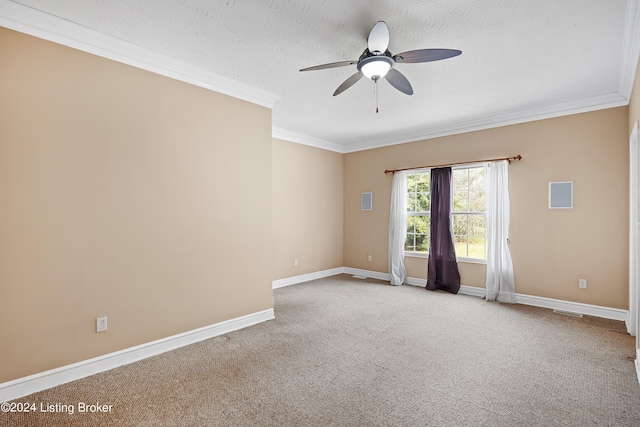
point(484, 214)
point(464, 259)
point(411, 253)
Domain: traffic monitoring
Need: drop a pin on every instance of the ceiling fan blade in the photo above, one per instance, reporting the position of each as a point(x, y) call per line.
point(426, 55)
point(378, 38)
point(348, 83)
point(399, 81)
point(330, 65)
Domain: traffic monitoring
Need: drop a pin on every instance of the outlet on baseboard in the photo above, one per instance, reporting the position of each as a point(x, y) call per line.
point(582, 283)
point(101, 324)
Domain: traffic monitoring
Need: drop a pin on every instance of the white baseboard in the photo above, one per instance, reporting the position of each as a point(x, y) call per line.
point(554, 304)
point(574, 307)
point(367, 273)
point(473, 291)
point(287, 281)
point(24, 386)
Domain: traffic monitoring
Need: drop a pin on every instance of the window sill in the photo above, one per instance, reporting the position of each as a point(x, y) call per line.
point(473, 260)
point(415, 255)
point(425, 256)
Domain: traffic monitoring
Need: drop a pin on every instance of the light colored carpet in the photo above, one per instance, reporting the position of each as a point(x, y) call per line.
point(347, 352)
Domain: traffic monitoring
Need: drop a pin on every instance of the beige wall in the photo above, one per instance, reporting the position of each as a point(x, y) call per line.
point(307, 209)
point(551, 249)
point(134, 196)
point(123, 194)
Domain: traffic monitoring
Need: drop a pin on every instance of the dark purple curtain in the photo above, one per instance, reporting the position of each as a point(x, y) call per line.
point(443, 269)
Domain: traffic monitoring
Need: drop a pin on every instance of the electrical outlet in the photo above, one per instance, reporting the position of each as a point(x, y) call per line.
point(295, 262)
point(101, 324)
point(369, 258)
point(582, 283)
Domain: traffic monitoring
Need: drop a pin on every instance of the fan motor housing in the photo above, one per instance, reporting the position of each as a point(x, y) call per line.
point(370, 58)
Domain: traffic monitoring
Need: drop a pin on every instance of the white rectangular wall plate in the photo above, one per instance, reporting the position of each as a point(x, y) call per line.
point(561, 195)
point(366, 201)
point(101, 324)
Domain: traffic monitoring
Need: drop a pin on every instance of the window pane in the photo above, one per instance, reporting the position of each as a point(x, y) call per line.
point(409, 243)
point(422, 224)
point(461, 248)
point(476, 178)
point(476, 200)
point(422, 243)
point(411, 221)
point(423, 201)
point(477, 247)
point(411, 202)
point(460, 224)
point(460, 201)
point(411, 182)
point(422, 182)
point(477, 225)
point(460, 179)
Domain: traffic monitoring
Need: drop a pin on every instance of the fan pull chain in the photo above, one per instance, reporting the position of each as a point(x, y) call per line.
point(376, 90)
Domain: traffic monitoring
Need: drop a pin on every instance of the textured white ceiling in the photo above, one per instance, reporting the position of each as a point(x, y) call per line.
point(520, 58)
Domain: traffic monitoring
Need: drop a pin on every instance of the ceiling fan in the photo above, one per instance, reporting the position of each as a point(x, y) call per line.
point(376, 62)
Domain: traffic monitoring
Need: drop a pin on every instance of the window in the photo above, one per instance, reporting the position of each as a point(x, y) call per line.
point(418, 205)
point(468, 212)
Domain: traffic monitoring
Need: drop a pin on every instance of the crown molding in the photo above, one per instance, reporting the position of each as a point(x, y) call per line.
point(628, 68)
point(287, 135)
point(586, 105)
point(630, 48)
point(611, 100)
point(42, 25)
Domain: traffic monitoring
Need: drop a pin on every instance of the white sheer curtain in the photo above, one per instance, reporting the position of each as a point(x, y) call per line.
point(500, 282)
point(398, 228)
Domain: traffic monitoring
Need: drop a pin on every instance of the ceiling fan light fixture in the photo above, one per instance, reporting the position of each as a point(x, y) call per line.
point(377, 62)
point(375, 67)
